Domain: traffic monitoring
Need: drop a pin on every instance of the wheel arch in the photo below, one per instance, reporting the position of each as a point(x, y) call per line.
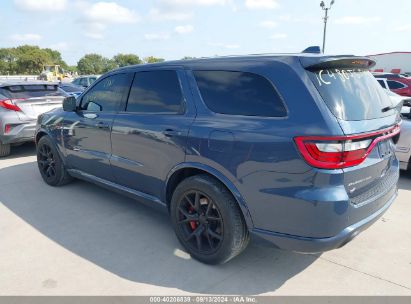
point(184, 170)
point(44, 132)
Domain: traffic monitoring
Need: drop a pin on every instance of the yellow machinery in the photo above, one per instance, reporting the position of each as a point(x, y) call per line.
point(53, 73)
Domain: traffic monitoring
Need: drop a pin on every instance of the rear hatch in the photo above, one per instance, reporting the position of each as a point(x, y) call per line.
point(369, 120)
point(34, 99)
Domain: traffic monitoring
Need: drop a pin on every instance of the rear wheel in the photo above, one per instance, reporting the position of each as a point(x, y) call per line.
point(51, 166)
point(4, 149)
point(207, 220)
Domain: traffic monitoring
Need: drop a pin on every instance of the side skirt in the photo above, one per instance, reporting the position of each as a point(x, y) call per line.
point(142, 197)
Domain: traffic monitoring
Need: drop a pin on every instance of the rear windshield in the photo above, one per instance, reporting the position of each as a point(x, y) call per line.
point(352, 94)
point(30, 91)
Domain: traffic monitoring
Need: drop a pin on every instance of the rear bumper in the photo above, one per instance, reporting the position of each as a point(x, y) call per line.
point(313, 245)
point(20, 133)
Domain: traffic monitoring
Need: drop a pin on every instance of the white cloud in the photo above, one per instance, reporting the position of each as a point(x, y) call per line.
point(110, 12)
point(404, 28)
point(60, 46)
point(225, 45)
point(25, 37)
point(157, 36)
point(354, 20)
point(231, 46)
point(184, 29)
point(163, 15)
point(261, 4)
point(194, 3)
point(278, 36)
point(268, 24)
point(179, 10)
point(41, 5)
point(98, 16)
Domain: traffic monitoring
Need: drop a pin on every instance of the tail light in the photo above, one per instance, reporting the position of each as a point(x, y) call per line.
point(9, 105)
point(337, 152)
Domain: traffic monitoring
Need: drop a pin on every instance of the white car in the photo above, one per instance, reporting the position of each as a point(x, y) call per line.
point(406, 108)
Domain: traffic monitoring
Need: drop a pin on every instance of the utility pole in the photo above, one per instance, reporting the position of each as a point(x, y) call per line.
point(325, 9)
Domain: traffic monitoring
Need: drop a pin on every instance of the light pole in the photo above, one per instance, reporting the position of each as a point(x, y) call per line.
point(325, 9)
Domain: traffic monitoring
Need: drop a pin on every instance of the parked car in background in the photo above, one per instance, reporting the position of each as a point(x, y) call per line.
point(400, 85)
point(20, 104)
point(71, 89)
point(85, 81)
point(403, 102)
point(224, 145)
point(403, 147)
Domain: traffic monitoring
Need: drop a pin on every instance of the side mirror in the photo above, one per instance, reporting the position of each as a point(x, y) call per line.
point(69, 104)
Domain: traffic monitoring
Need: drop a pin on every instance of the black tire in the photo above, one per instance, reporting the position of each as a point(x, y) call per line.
point(207, 220)
point(50, 165)
point(4, 150)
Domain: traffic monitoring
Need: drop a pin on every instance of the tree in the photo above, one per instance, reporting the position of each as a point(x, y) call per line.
point(55, 58)
point(28, 59)
point(94, 64)
point(121, 60)
point(152, 59)
point(31, 59)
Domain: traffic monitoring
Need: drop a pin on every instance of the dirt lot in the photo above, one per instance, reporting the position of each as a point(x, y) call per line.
point(83, 240)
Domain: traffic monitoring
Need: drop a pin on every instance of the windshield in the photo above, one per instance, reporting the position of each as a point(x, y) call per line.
point(352, 94)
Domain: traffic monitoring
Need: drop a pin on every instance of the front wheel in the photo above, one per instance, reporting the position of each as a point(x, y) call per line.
point(207, 220)
point(51, 166)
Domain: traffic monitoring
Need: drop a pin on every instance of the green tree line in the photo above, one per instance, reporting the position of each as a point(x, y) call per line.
point(30, 60)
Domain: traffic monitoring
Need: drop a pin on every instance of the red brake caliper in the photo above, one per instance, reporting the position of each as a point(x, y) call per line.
point(193, 224)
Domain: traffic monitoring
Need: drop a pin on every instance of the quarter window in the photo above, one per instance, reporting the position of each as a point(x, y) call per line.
point(107, 94)
point(239, 93)
point(156, 92)
point(393, 85)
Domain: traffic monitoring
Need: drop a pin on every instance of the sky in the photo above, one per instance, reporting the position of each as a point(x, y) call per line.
point(172, 29)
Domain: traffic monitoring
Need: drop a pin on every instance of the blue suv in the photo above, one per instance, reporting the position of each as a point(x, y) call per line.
point(294, 149)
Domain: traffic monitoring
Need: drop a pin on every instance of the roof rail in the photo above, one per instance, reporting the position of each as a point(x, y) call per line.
point(312, 49)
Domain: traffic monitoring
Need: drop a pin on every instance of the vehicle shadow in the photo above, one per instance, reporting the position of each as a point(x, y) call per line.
point(137, 242)
point(405, 180)
point(26, 149)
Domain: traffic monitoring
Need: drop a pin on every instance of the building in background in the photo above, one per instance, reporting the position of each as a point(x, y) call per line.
point(394, 62)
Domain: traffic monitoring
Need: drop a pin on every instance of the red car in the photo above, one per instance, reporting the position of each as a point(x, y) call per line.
point(395, 82)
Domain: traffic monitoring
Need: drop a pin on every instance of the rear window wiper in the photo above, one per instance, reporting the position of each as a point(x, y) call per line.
point(386, 109)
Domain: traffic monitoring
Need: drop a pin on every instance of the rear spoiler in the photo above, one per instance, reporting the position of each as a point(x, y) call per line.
point(336, 62)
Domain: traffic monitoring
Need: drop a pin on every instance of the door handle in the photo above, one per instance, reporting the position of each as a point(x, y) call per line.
point(171, 132)
point(102, 125)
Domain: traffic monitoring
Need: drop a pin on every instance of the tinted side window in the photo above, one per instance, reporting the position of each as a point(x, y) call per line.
point(381, 82)
point(107, 94)
point(239, 93)
point(395, 84)
point(84, 82)
point(156, 92)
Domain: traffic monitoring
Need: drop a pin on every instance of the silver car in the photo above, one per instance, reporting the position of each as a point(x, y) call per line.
point(403, 149)
point(20, 104)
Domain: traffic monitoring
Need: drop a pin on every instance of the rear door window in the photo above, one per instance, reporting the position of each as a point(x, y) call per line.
point(156, 92)
point(352, 94)
point(239, 93)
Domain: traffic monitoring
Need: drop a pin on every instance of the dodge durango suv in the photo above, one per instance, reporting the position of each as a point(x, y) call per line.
point(297, 150)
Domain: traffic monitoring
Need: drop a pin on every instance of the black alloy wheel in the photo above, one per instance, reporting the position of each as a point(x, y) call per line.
point(200, 222)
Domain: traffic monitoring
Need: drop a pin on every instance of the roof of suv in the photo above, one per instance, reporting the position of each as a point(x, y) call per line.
point(312, 58)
